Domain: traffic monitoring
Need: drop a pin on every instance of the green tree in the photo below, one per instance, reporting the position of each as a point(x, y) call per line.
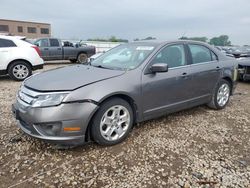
point(111, 39)
point(222, 40)
point(147, 38)
point(201, 39)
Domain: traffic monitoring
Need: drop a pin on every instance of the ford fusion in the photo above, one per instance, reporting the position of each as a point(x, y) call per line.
point(131, 83)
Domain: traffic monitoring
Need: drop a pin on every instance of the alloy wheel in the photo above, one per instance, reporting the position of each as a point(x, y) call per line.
point(223, 94)
point(20, 71)
point(115, 123)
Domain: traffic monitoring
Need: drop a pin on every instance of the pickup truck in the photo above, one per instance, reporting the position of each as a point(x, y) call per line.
point(53, 49)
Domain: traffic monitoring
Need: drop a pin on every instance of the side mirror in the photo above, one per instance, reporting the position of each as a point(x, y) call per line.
point(37, 44)
point(159, 67)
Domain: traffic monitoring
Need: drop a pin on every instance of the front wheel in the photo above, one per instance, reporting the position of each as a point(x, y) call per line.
point(221, 95)
point(19, 70)
point(112, 122)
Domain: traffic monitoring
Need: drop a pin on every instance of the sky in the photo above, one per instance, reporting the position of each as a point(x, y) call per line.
point(130, 19)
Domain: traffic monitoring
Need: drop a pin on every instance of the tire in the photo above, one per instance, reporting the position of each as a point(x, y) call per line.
point(19, 70)
point(82, 58)
point(221, 95)
point(108, 128)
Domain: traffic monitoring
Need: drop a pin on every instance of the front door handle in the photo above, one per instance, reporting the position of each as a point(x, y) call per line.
point(184, 75)
point(46, 48)
point(217, 68)
point(59, 48)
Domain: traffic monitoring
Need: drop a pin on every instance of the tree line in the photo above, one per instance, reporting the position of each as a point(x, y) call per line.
point(222, 40)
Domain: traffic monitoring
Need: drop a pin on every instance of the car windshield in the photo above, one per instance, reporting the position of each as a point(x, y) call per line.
point(124, 57)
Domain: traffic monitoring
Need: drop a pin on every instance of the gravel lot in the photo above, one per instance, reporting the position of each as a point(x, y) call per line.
point(193, 148)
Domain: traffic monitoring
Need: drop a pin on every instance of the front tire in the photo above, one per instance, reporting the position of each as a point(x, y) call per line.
point(221, 95)
point(112, 122)
point(19, 70)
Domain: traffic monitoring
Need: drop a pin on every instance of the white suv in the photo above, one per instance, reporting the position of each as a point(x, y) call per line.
point(18, 58)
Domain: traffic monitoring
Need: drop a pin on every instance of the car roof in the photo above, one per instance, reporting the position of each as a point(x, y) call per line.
point(8, 37)
point(16, 40)
point(162, 42)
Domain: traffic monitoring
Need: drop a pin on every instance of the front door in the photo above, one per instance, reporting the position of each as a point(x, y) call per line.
point(167, 91)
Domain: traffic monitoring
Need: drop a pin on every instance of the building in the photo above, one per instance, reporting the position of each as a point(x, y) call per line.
point(23, 28)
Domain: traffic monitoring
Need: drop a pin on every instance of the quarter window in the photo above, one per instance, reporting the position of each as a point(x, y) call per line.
point(173, 56)
point(200, 54)
point(4, 43)
point(54, 42)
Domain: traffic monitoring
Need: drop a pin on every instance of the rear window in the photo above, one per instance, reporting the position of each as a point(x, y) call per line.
point(54, 42)
point(5, 43)
point(200, 54)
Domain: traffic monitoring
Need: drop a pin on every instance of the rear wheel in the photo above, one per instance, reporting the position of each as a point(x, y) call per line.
point(19, 70)
point(82, 58)
point(112, 122)
point(221, 95)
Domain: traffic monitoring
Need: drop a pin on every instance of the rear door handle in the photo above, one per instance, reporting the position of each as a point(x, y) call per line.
point(59, 48)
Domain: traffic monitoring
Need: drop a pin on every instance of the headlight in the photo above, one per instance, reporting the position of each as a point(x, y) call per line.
point(49, 100)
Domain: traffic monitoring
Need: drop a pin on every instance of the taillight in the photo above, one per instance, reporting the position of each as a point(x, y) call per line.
point(37, 50)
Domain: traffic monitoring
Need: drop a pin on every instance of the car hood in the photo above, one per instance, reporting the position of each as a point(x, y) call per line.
point(69, 78)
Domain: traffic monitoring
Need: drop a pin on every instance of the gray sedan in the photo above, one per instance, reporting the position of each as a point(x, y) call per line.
point(131, 83)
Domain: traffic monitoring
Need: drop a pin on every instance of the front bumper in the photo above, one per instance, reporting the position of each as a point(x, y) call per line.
point(48, 123)
point(244, 73)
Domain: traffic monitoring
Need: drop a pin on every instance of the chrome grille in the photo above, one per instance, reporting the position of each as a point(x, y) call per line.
point(26, 96)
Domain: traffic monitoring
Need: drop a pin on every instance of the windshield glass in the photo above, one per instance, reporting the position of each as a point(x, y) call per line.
point(124, 57)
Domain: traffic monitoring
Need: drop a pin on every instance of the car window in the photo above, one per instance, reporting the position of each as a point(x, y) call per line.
point(200, 54)
point(54, 42)
point(42, 43)
point(173, 55)
point(4, 43)
point(125, 56)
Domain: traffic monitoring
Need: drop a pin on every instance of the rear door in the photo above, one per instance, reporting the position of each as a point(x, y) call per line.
point(43, 45)
point(55, 49)
point(205, 69)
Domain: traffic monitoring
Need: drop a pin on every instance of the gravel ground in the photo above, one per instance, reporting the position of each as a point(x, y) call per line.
point(193, 148)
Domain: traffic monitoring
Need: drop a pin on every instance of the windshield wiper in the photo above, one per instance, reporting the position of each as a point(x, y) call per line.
point(100, 66)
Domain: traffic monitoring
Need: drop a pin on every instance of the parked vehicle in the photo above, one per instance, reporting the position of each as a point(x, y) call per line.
point(103, 100)
point(18, 58)
point(244, 69)
point(52, 49)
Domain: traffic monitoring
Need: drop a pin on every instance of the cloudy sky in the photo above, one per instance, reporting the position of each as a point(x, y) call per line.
point(130, 19)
